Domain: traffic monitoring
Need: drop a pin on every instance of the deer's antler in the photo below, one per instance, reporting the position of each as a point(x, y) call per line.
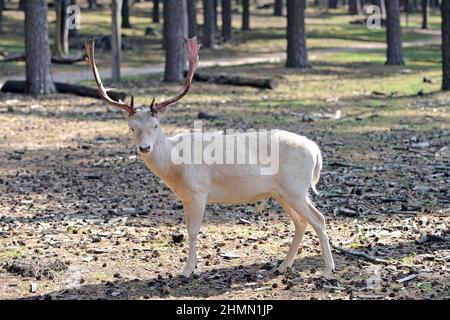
point(192, 47)
point(129, 108)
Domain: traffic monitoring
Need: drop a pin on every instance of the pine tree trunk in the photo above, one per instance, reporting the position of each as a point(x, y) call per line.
point(332, 4)
point(61, 31)
point(174, 34)
point(297, 53)
point(126, 14)
point(93, 4)
point(278, 8)
point(445, 10)
point(2, 7)
point(424, 14)
point(227, 30)
point(245, 15)
point(209, 29)
point(116, 40)
point(155, 12)
point(192, 17)
point(38, 57)
point(22, 5)
point(354, 7)
point(215, 4)
point(394, 34)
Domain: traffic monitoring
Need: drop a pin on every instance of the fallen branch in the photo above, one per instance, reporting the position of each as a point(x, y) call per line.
point(263, 83)
point(360, 254)
point(345, 165)
point(20, 87)
point(20, 56)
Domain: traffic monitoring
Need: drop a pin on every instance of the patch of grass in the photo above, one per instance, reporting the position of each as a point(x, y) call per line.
point(409, 260)
point(10, 253)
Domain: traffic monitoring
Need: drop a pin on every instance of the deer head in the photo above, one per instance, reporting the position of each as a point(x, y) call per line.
point(143, 121)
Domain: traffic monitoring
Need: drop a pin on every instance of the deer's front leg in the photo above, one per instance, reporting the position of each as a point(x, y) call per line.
point(194, 209)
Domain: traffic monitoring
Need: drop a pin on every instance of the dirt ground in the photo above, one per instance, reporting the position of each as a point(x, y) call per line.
point(82, 217)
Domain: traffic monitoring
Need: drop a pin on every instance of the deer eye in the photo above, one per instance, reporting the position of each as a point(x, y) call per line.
point(156, 126)
point(132, 130)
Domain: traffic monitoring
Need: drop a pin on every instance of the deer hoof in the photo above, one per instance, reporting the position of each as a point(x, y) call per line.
point(282, 268)
point(187, 273)
point(328, 274)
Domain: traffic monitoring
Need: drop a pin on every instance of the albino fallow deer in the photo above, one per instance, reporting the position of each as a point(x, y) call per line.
point(199, 184)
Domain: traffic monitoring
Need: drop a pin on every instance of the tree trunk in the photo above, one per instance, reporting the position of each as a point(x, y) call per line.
point(155, 12)
point(126, 14)
point(445, 10)
point(38, 73)
point(297, 53)
point(192, 17)
point(278, 8)
point(215, 4)
point(22, 5)
point(227, 30)
point(61, 31)
point(208, 25)
point(93, 4)
point(245, 15)
point(2, 7)
point(116, 40)
point(394, 34)
point(332, 4)
point(354, 7)
point(174, 34)
point(424, 14)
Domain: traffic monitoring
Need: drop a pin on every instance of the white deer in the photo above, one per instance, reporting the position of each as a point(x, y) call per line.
point(197, 185)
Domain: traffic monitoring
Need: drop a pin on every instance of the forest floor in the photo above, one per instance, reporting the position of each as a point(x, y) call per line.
point(81, 217)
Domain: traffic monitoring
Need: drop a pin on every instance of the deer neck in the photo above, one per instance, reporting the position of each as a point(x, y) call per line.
point(159, 160)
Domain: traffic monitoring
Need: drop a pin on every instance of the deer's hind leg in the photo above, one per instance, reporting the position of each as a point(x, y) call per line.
point(300, 227)
point(314, 217)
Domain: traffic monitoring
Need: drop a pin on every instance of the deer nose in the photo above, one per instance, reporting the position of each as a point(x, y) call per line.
point(145, 149)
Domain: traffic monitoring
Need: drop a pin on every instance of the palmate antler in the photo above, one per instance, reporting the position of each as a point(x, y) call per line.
point(192, 47)
point(129, 108)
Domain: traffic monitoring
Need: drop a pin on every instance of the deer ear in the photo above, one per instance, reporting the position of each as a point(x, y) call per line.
point(161, 113)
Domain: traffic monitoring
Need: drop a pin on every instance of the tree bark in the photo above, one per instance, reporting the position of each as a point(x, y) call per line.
point(245, 15)
point(354, 7)
point(61, 31)
point(445, 10)
point(126, 14)
point(174, 34)
point(297, 53)
point(424, 14)
point(116, 40)
point(394, 34)
point(278, 8)
point(215, 4)
point(209, 29)
point(227, 30)
point(155, 12)
point(93, 4)
point(192, 17)
point(2, 7)
point(39, 78)
point(22, 5)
